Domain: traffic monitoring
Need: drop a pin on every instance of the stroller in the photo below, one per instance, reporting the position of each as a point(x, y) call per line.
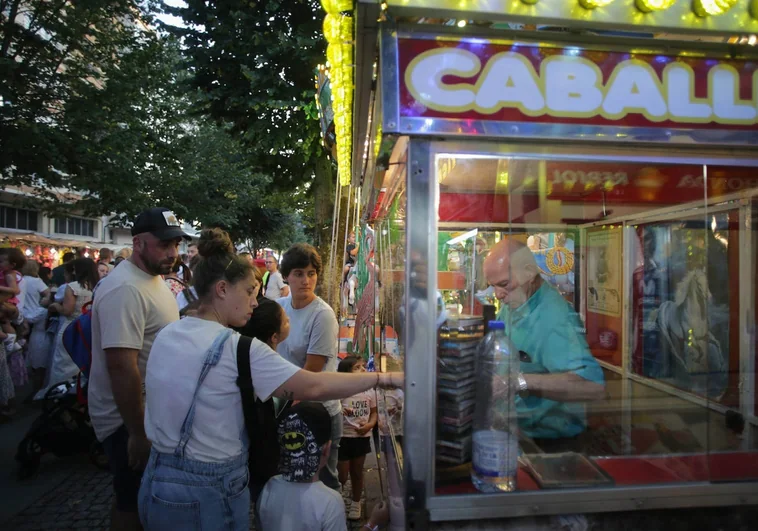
point(63, 429)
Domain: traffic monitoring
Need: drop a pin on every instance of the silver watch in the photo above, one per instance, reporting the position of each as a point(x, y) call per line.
point(523, 389)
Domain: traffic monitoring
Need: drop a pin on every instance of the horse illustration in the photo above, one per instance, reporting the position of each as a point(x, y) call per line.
point(684, 324)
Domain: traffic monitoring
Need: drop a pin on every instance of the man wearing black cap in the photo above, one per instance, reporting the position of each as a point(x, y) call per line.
point(131, 306)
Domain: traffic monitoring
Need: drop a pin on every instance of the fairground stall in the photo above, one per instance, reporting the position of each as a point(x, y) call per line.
point(617, 141)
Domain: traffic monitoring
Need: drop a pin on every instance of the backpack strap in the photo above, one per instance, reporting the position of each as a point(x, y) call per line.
point(245, 383)
point(189, 294)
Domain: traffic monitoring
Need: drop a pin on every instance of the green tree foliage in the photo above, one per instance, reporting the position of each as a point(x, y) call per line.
point(95, 101)
point(252, 64)
point(51, 52)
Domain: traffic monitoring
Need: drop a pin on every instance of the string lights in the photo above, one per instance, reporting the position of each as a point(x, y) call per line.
point(338, 30)
point(703, 8)
point(648, 6)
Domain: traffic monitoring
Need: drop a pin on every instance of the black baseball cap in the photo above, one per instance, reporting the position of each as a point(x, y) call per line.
point(161, 223)
point(303, 432)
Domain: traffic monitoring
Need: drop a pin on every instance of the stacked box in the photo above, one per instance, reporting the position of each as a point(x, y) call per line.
point(456, 388)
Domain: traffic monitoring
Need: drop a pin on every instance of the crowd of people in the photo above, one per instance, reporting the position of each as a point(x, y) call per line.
point(164, 392)
point(36, 305)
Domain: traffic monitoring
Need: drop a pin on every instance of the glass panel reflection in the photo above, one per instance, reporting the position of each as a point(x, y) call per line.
point(627, 293)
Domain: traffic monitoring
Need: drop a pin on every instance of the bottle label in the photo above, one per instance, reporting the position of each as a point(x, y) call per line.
point(495, 453)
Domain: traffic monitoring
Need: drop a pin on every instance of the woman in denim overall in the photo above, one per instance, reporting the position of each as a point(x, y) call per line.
point(217, 493)
point(187, 483)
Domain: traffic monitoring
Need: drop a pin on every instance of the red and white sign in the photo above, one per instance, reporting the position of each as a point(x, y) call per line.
point(644, 183)
point(479, 80)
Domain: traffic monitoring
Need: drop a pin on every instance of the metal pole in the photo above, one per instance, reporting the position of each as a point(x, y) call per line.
point(344, 242)
point(333, 247)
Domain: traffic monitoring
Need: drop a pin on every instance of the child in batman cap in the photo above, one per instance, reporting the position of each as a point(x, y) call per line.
point(296, 500)
point(303, 433)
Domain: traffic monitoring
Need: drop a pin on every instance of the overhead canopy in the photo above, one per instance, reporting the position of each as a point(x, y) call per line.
point(38, 239)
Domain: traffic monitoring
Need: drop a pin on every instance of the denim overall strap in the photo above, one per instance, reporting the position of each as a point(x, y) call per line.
point(211, 359)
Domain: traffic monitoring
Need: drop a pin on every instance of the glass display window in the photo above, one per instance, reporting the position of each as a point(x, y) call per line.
point(617, 281)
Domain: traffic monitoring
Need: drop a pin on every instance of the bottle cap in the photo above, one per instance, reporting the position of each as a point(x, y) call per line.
point(496, 325)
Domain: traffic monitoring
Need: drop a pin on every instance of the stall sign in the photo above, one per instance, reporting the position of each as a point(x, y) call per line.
point(648, 183)
point(475, 79)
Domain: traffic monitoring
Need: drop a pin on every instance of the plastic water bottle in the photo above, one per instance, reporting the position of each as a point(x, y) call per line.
point(495, 438)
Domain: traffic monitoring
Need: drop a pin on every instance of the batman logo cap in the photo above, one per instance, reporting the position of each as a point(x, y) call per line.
point(302, 433)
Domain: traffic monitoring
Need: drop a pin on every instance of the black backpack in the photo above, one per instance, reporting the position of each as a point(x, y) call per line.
point(260, 421)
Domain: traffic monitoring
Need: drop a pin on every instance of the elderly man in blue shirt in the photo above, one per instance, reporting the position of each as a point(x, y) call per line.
point(558, 372)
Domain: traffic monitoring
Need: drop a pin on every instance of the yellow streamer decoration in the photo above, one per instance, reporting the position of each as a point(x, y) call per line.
point(338, 30)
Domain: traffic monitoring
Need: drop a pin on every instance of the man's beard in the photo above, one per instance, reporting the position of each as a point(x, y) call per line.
point(155, 268)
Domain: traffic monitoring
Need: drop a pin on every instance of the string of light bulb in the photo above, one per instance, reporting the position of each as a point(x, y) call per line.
point(702, 8)
point(338, 30)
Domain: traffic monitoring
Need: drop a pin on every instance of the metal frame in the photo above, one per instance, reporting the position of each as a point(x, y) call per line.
point(449, 127)
point(568, 13)
point(366, 31)
point(420, 337)
point(747, 314)
point(419, 450)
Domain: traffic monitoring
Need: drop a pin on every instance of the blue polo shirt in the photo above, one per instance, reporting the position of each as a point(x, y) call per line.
point(550, 332)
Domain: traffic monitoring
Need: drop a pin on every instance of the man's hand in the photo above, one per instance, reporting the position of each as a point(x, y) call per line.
point(138, 449)
point(348, 412)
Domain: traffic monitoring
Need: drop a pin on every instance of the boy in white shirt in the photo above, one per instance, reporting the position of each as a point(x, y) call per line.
point(296, 500)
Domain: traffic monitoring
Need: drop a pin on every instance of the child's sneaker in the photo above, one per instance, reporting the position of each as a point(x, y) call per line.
point(355, 511)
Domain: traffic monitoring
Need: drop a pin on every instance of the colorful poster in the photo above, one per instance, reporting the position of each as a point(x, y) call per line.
point(604, 271)
point(554, 253)
point(682, 305)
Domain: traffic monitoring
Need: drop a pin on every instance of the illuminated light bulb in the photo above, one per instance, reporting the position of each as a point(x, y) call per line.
point(28, 252)
point(704, 8)
point(461, 23)
point(753, 38)
point(336, 6)
point(648, 6)
point(592, 4)
point(86, 255)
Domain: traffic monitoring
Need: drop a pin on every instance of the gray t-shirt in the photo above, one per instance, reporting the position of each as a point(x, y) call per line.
point(129, 310)
point(290, 506)
point(274, 286)
point(313, 330)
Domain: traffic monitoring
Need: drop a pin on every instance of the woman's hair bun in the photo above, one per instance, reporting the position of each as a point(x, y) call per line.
point(214, 242)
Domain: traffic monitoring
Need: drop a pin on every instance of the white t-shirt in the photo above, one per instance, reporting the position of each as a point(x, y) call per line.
point(173, 370)
point(358, 409)
point(34, 287)
point(130, 308)
point(313, 330)
point(274, 286)
point(289, 506)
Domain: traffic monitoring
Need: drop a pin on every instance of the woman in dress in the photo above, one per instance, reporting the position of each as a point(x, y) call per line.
point(179, 278)
point(76, 295)
point(35, 312)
